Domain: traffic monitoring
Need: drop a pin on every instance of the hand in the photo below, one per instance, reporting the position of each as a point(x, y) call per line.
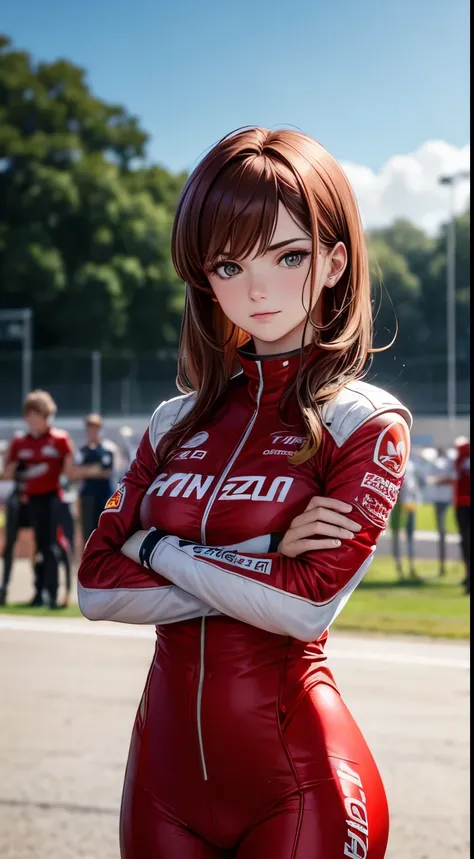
point(131, 547)
point(323, 517)
point(94, 470)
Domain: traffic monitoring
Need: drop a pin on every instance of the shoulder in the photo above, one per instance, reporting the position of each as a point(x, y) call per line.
point(61, 439)
point(167, 414)
point(109, 446)
point(355, 405)
point(59, 434)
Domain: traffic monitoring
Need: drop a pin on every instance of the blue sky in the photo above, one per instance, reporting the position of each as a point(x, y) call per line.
point(368, 78)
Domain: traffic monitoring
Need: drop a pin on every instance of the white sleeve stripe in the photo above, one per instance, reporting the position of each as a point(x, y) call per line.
point(257, 603)
point(158, 605)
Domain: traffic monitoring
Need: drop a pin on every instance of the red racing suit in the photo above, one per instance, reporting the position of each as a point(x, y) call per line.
point(242, 746)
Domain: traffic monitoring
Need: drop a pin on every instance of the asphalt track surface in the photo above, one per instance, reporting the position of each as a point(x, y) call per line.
point(68, 694)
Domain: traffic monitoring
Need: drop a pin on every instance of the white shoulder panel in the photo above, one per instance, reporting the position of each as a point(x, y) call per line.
point(167, 414)
point(357, 403)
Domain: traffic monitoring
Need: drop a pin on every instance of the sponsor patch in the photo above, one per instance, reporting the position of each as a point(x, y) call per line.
point(374, 509)
point(393, 448)
point(383, 486)
point(116, 500)
point(252, 488)
point(36, 470)
point(357, 819)
point(283, 438)
point(197, 440)
point(232, 559)
point(191, 454)
point(49, 450)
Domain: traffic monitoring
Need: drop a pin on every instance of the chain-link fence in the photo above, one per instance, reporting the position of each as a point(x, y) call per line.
point(125, 383)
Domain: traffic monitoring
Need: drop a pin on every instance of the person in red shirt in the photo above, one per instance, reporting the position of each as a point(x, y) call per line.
point(462, 504)
point(43, 454)
point(250, 514)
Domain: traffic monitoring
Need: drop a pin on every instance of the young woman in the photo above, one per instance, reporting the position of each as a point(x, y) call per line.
point(231, 530)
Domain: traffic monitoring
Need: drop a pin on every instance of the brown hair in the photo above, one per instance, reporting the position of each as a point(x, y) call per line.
point(230, 203)
point(41, 402)
point(94, 420)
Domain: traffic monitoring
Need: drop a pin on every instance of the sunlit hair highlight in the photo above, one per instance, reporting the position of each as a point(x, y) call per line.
point(230, 204)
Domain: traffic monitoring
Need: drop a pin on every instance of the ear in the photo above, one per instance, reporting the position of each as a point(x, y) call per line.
point(337, 265)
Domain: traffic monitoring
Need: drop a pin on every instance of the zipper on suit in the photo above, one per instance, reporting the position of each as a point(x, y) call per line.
point(205, 517)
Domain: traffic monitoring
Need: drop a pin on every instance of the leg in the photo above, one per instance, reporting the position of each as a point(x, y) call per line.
point(44, 511)
point(441, 509)
point(12, 514)
point(88, 523)
point(66, 523)
point(65, 560)
point(26, 521)
point(410, 534)
point(463, 516)
point(148, 829)
point(344, 812)
point(395, 524)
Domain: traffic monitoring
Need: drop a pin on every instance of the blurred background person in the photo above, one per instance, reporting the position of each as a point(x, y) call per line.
point(462, 504)
point(96, 488)
point(17, 517)
point(43, 453)
point(403, 519)
point(128, 448)
point(441, 496)
point(458, 481)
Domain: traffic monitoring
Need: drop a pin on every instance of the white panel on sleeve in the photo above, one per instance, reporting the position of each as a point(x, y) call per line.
point(160, 605)
point(354, 405)
point(255, 602)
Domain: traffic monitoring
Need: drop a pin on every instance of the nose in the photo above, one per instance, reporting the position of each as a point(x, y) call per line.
point(257, 290)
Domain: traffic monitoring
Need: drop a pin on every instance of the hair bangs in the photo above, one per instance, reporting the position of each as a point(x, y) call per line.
point(240, 211)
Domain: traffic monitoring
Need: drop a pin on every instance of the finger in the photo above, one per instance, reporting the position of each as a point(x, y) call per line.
point(321, 514)
point(302, 546)
point(322, 529)
point(333, 503)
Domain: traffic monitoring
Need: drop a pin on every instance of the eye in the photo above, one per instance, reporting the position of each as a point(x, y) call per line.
point(226, 270)
point(293, 259)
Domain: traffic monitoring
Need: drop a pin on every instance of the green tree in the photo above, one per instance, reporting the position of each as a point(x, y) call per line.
point(84, 228)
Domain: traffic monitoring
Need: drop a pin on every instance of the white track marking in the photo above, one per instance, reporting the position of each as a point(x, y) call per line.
point(71, 626)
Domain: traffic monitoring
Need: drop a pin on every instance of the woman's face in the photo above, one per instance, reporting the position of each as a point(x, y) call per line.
point(269, 296)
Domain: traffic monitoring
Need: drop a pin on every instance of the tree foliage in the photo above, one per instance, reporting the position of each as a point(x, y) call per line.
point(85, 228)
point(84, 224)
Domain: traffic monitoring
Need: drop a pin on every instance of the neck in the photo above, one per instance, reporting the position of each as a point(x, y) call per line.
point(288, 343)
point(270, 376)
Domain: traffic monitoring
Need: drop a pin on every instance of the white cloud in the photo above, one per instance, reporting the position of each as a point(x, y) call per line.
point(407, 186)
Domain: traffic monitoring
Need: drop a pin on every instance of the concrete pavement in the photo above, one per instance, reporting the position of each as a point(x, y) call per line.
point(69, 691)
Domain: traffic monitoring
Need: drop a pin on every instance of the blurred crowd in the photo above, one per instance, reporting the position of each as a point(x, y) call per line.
point(440, 478)
point(59, 489)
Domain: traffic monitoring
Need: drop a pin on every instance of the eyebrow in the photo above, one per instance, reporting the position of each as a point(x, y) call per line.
point(276, 245)
point(287, 242)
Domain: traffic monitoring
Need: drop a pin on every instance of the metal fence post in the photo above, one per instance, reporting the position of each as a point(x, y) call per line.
point(26, 366)
point(96, 368)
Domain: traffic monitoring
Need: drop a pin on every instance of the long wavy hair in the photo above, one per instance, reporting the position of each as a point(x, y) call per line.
point(230, 203)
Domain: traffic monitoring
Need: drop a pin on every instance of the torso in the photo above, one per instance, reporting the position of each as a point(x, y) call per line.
point(42, 460)
point(92, 455)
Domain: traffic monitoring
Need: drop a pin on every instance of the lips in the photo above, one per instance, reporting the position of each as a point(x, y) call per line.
point(264, 314)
